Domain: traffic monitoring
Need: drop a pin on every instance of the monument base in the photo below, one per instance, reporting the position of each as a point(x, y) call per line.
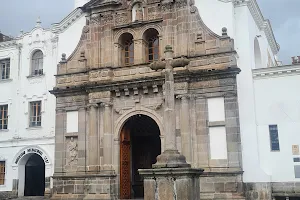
point(171, 183)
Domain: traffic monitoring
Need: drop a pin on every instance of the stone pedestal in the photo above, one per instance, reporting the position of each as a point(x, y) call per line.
point(171, 183)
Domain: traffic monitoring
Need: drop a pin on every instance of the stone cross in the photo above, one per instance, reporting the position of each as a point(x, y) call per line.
point(170, 157)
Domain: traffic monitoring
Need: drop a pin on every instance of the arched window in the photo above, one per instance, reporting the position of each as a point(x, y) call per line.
point(152, 45)
point(126, 41)
point(37, 63)
point(128, 52)
point(153, 49)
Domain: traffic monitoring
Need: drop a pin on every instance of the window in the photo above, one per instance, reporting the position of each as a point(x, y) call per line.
point(153, 49)
point(273, 130)
point(3, 117)
point(35, 114)
point(37, 63)
point(129, 52)
point(152, 44)
point(2, 172)
point(5, 69)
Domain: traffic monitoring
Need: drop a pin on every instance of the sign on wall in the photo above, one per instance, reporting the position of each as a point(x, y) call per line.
point(295, 149)
point(31, 150)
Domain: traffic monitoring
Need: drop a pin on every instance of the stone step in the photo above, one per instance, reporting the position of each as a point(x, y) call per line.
point(31, 198)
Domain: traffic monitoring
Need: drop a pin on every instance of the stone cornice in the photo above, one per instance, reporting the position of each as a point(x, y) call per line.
point(262, 23)
point(67, 21)
point(273, 72)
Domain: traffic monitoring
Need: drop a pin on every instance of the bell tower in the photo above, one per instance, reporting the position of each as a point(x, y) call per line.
point(79, 3)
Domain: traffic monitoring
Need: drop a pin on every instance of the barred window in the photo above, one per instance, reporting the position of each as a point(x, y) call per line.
point(5, 69)
point(35, 114)
point(37, 63)
point(3, 117)
point(2, 172)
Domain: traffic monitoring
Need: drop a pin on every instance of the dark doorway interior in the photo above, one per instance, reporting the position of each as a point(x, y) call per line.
point(143, 136)
point(34, 176)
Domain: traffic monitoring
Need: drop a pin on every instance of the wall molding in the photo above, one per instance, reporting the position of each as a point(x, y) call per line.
point(273, 72)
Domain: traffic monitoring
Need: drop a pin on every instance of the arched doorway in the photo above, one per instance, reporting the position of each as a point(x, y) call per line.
point(34, 176)
point(139, 146)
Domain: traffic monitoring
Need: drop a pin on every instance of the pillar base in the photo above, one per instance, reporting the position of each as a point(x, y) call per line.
point(171, 183)
point(171, 159)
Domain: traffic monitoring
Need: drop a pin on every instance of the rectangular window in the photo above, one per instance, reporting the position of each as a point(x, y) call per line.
point(3, 117)
point(72, 122)
point(5, 69)
point(273, 130)
point(35, 114)
point(2, 172)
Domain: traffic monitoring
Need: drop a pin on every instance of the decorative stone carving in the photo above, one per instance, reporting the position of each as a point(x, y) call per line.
point(193, 7)
point(70, 99)
point(72, 151)
point(154, 12)
point(181, 3)
point(95, 19)
point(107, 18)
point(100, 95)
point(121, 18)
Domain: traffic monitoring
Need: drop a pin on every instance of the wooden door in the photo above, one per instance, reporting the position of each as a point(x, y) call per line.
point(125, 175)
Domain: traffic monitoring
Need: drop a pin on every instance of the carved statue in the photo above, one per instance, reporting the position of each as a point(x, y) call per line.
point(139, 13)
point(73, 151)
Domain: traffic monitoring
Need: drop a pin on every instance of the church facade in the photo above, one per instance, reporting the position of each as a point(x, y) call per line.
point(110, 104)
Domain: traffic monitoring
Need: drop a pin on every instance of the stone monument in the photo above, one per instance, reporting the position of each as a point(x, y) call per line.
point(171, 178)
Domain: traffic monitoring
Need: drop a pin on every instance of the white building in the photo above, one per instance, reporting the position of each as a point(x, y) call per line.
point(27, 112)
point(266, 172)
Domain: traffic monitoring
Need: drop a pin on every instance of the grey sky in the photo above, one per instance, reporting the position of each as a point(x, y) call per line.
point(19, 15)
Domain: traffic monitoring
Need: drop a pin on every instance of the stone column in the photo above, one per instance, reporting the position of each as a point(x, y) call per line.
point(170, 157)
point(186, 142)
point(108, 137)
point(93, 156)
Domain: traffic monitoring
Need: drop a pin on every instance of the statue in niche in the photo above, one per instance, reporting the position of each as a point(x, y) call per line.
point(139, 13)
point(73, 151)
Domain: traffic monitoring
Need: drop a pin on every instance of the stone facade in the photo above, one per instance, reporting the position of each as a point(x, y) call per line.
point(94, 82)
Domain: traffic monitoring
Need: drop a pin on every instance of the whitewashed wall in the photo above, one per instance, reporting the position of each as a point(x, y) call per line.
point(244, 25)
point(19, 92)
point(277, 102)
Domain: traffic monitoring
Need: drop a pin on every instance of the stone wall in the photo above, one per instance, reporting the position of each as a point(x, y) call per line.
point(95, 82)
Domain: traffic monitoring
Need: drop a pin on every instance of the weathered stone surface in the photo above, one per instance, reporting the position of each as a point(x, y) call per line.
point(171, 183)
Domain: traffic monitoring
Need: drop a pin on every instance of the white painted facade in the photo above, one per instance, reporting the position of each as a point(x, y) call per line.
point(256, 52)
point(277, 103)
point(19, 140)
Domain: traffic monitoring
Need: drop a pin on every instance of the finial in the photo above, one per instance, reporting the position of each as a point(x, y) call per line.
point(224, 31)
point(63, 58)
point(38, 22)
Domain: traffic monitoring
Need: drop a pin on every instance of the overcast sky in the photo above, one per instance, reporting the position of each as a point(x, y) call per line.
point(19, 15)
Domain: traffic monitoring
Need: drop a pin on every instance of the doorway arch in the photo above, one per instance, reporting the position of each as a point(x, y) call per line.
point(140, 144)
point(34, 176)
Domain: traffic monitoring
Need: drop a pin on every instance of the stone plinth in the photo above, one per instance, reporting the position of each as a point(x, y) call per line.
point(171, 183)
